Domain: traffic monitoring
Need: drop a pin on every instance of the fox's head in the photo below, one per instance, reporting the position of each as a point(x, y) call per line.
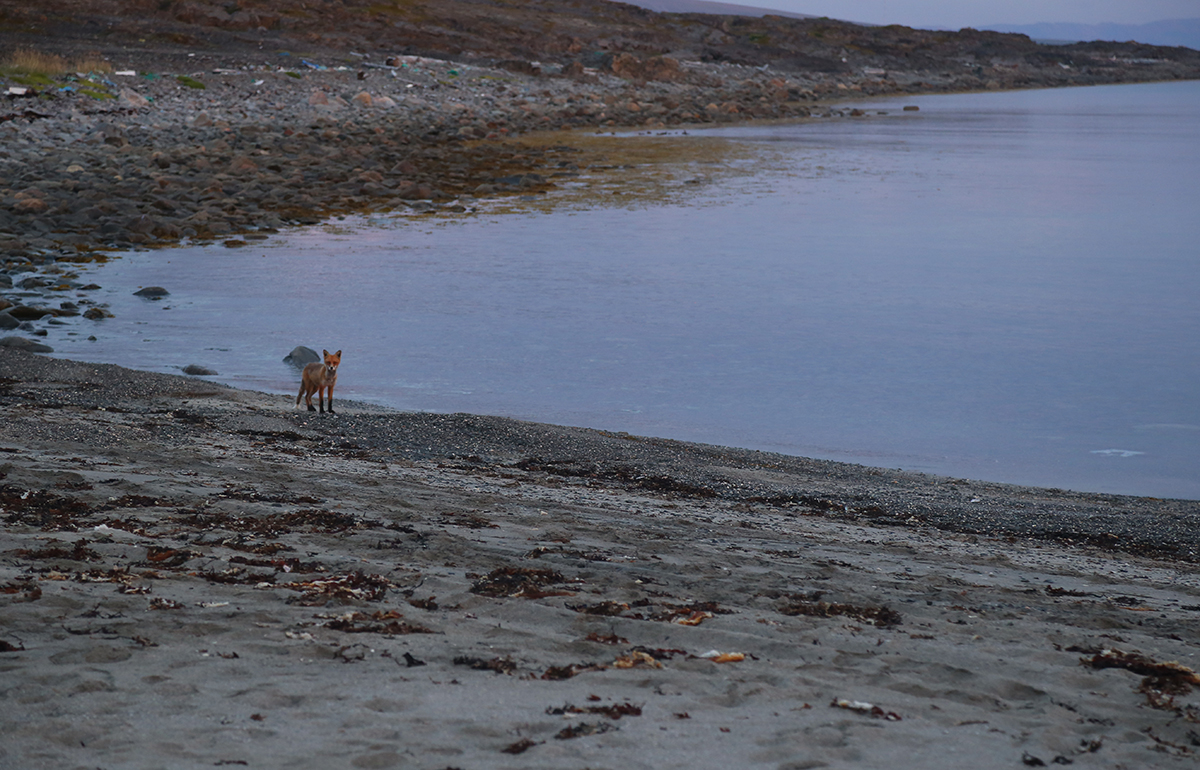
point(331, 362)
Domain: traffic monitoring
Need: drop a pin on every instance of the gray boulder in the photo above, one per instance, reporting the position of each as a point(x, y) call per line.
point(20, 343)
point(198, 371)
point(301, 357)
point(8, 322)
point(151, 292)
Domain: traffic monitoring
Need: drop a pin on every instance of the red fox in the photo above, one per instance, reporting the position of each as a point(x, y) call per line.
point(320, 379)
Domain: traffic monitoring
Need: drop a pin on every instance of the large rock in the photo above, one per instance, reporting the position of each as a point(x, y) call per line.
point(8, 322)
point(301, 357)
point(29, 312)
point(30, 204)
point(132, 99)
point(151, 292)
point(20, 343)
point(628, 66)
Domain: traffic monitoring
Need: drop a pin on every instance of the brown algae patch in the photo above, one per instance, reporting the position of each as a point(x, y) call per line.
point(632, 171)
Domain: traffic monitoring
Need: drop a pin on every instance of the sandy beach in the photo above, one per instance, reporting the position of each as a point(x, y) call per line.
point(194, 576)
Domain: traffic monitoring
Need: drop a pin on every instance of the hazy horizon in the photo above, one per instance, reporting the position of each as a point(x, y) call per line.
point(1180, 31)
point(955, 15)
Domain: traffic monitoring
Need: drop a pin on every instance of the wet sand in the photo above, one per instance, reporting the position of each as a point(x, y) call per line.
point(194, 576)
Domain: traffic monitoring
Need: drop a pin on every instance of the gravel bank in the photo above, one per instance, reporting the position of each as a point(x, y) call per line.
point(178, 410)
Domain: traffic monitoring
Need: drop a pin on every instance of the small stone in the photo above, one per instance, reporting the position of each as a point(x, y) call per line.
point(198, 371)
point(151, 292)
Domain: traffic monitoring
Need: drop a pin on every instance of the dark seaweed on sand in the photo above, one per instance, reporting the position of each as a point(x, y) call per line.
point(498, 665)
point(311, 520)
point(603, 609)
point(584, 728)
point(351, 587)
point(519, 582)
point(386, 623)
point(558, 673)
point(606, 638)
point(520, 747)
point(38, 508)
point(882, 617)
point(613, 712)
point(54, 550)
point(1161, 682)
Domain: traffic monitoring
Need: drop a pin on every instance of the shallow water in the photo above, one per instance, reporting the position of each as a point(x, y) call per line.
point(999, 286)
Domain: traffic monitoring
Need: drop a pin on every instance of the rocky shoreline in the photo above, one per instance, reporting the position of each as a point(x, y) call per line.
point(232, 146)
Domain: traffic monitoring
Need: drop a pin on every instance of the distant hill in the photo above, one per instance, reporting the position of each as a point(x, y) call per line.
point(719, 9)
point(1175, 32)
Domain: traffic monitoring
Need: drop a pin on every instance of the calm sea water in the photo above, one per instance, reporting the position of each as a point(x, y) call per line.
point(1000, 286)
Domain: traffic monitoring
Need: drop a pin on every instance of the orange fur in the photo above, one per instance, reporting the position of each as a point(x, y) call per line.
point(320, 379)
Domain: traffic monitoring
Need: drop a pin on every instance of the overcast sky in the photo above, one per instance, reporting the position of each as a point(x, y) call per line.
point(954, 14)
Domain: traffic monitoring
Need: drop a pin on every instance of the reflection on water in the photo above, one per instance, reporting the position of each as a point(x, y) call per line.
point(999, 286)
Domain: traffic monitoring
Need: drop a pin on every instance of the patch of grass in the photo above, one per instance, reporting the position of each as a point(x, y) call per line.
point(32, 79)
point(24, 61)
point(31, 63)
point(95, 92)
point(295, 75)
point(190, 82)
point(91, 64)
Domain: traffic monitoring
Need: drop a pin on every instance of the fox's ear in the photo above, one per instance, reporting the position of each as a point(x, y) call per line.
point(338, 354)
point(324, 352)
